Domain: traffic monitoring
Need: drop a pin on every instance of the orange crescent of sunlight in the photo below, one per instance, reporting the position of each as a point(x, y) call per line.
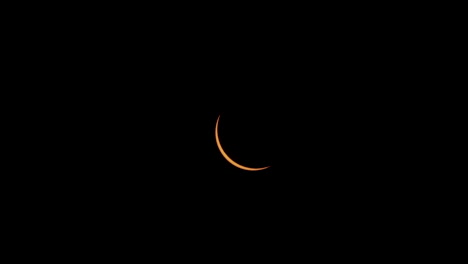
point(227, 157)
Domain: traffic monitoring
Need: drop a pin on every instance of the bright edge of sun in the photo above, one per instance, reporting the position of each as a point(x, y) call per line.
point(227, 157)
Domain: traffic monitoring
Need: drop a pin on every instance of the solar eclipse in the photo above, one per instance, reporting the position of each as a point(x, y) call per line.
point(227, 157)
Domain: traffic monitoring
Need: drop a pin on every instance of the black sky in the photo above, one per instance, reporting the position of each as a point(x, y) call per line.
point(132, 114)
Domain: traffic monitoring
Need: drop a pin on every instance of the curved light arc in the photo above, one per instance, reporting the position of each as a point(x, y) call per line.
point(228, 158)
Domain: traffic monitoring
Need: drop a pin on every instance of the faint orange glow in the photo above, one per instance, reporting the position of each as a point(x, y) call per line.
point(228, 158)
